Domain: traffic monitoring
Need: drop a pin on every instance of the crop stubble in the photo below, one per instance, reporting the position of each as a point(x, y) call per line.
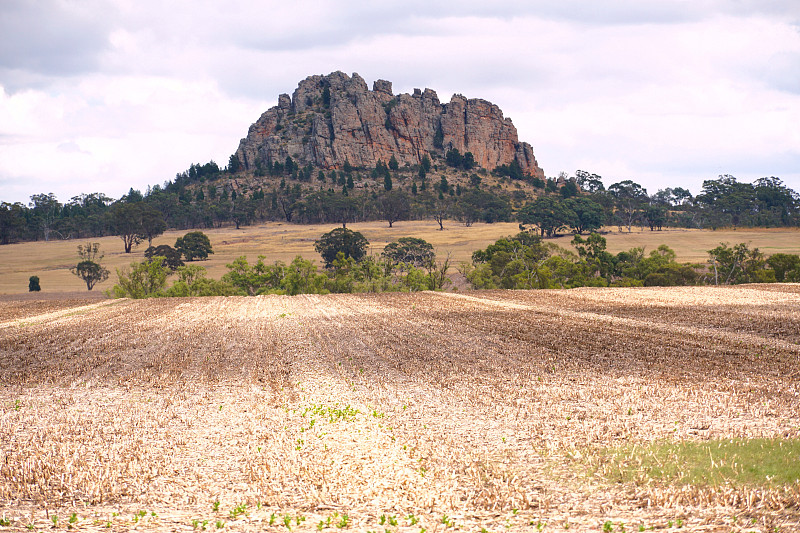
point(468, 405)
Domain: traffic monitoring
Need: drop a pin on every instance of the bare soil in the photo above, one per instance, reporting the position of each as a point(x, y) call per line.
point(443, 411)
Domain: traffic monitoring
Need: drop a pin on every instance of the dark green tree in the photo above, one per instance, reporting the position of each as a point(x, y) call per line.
point(589, 215)
point(438, 137)
point(468, 161)
point(393, 164)
point(549, 214)
point(89, 268)
point(569, 189)
point(410, 250)
point(655, 215)
point(475, 205)
point(785, 266)
point(426, 163)
point(45, 211)
point(394, 206)
point(453, 158)
point(172, 257)
point(736, 264)
point(33, 284)
point(233, 164)
point(126, 222)
point(341, 240)
point(194, 245)
point(629, 198)
point(153, 223)
point(12, 221)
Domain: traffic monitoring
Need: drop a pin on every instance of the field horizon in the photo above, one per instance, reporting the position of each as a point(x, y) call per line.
point(280, 241)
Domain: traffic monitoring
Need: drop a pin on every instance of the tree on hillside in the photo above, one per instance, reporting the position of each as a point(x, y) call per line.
point(590, 183)
point(89, 268)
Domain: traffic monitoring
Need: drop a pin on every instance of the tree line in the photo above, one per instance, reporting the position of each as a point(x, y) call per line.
point(207, 196)
point(522, 261)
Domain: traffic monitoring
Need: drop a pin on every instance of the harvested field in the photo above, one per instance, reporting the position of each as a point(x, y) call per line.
point(488, 410)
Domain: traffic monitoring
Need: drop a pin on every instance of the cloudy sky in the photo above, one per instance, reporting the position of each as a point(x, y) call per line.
point(99, 96)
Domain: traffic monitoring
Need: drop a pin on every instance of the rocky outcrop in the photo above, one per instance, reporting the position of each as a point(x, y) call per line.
point(333, 119)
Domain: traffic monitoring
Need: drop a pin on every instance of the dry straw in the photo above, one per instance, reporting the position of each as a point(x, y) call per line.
point(440, 412)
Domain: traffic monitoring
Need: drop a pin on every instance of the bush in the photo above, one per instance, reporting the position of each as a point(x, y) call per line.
point(33, 284)
point(142, 280)
point(192, 281)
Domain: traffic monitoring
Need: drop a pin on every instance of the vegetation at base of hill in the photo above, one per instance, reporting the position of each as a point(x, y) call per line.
point(522, 261)
point(446, 188)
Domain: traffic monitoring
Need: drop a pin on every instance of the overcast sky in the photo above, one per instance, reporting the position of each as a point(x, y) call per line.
point(99, 96)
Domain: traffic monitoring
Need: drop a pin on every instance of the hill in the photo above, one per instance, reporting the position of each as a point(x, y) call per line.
point(335, 121)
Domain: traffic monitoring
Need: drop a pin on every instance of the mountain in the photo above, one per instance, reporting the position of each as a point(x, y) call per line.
point(335, 119)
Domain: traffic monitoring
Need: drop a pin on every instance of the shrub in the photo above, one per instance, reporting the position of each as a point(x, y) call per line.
point(33, 284)
point(142, 280)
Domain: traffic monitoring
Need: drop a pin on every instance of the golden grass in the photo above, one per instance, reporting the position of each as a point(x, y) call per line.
point(280, 241)
point(432, 410)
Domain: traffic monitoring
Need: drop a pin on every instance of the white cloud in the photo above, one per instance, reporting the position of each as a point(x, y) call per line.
point(661, 92)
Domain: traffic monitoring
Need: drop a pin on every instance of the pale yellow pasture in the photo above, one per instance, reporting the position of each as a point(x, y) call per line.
point(282, 241)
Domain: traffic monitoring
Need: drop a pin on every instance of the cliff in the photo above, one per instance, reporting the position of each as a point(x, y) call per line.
point(336, 118)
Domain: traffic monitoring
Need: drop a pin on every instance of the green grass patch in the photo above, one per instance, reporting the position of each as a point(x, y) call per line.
point(739, 462)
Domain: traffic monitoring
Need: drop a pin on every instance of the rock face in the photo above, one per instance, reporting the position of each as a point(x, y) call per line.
point(333, 119)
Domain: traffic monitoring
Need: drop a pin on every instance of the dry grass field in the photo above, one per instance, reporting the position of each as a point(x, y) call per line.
point(427, 412)
point(277, 241)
